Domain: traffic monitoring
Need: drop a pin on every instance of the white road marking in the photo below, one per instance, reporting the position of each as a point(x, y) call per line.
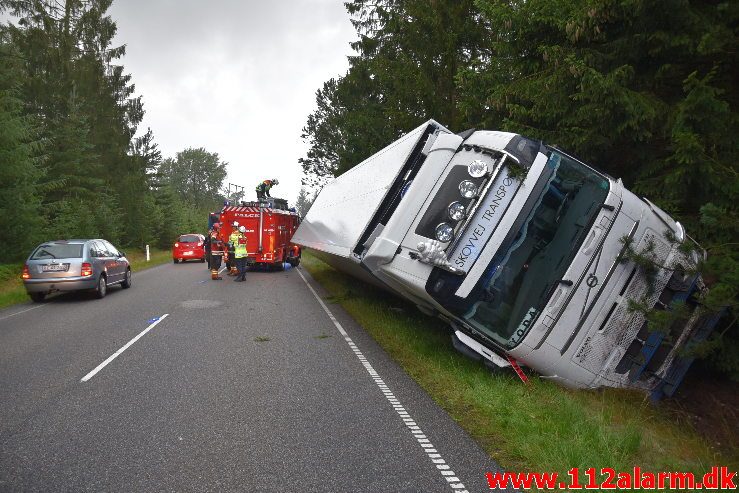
point(420, 437)
point(126, 346)
point(24, 311)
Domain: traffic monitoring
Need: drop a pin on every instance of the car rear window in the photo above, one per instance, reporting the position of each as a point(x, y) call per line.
point(56, 250)
point(189, 239)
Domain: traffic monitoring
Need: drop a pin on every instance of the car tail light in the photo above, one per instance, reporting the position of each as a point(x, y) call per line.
point(176, 244)
point(26, 274)
point(200, 243)
point(86, 269)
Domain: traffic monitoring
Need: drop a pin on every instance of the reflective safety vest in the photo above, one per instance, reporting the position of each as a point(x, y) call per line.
point(233, 239)
point(240, 247)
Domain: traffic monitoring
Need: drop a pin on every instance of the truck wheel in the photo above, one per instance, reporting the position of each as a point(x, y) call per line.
point(102, 288)
point(127, 281)
point(37, 297)
point(278, 266)
point(295, 262)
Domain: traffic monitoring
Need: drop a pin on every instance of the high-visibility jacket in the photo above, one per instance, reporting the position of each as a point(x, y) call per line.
point(233, 238)
point(264, 187)
point(240, 246)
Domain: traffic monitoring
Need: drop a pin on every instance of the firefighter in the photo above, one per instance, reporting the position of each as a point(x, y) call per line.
point(217, 252)
point(263, 188)
point(206, 246)
point(231, 264)
point(240, 252)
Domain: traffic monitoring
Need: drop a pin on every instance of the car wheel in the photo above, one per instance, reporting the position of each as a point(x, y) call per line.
point(127, 281)
point(202, 260)
point(174, 260)
point(37, 297)
point(102, 288)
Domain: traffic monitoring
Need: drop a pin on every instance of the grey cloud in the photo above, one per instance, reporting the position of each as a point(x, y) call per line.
point(237, 78)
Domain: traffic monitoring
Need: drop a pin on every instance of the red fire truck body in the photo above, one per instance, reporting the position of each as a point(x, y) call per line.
point(269, 229)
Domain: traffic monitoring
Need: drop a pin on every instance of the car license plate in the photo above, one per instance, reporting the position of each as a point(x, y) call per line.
point(188, 253)
point(54, 268)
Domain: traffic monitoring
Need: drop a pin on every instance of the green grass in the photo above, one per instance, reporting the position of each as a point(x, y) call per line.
point(137, 258)
point(13, 292)
point(539, 427)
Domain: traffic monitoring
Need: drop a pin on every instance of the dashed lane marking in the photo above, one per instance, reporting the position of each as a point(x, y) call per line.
point(436, 459)
point(24, 311)
point(126, 346)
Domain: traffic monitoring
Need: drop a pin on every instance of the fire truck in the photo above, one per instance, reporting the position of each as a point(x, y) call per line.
point(269, 228)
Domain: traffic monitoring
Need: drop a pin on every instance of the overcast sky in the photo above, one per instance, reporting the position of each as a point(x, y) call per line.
point(235, 77)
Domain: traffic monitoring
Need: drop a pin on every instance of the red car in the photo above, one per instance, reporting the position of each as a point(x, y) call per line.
point(189, 247)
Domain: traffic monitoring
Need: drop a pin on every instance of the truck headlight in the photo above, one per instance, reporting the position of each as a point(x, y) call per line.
point(477, 168)
point(680, 233)
point(468, 189)
point(444, 232)
point(456, 211)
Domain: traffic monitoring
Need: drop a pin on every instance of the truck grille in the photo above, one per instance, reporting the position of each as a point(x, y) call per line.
point(602, 349)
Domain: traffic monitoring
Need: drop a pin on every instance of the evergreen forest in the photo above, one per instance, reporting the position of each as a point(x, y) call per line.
point(73, 161)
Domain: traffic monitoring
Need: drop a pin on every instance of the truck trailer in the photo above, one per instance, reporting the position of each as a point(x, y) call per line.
point(269, 224)
point(520, 247)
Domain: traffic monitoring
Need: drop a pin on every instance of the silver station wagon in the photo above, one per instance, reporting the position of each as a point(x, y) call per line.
point(75, 265)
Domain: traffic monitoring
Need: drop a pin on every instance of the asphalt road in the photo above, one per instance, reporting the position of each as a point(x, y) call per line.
point(241, 387)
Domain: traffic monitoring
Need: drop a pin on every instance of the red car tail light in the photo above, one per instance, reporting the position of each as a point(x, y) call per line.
point(86, 269)
point(176, 245)
point(26, 274)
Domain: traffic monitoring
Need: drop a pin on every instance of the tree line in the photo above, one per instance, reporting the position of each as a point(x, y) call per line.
point(71, 162)
point(646, 91)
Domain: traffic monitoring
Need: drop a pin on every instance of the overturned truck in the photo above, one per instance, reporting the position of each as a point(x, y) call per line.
point(520, 247)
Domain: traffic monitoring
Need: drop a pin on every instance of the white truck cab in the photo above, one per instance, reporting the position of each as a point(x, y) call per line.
point(519, 246)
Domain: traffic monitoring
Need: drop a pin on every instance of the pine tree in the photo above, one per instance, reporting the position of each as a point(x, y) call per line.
point(404, 73)
point(304, 202)
point(22, 217)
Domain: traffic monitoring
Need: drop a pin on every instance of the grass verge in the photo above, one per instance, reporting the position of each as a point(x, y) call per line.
point(539, 427)
point(137, 258)
point(13, 292)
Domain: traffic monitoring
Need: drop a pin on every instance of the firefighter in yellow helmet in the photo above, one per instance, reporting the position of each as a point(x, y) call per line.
point(240, 252)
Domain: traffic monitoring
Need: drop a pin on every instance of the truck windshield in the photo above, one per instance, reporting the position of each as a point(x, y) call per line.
point(522, 278)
